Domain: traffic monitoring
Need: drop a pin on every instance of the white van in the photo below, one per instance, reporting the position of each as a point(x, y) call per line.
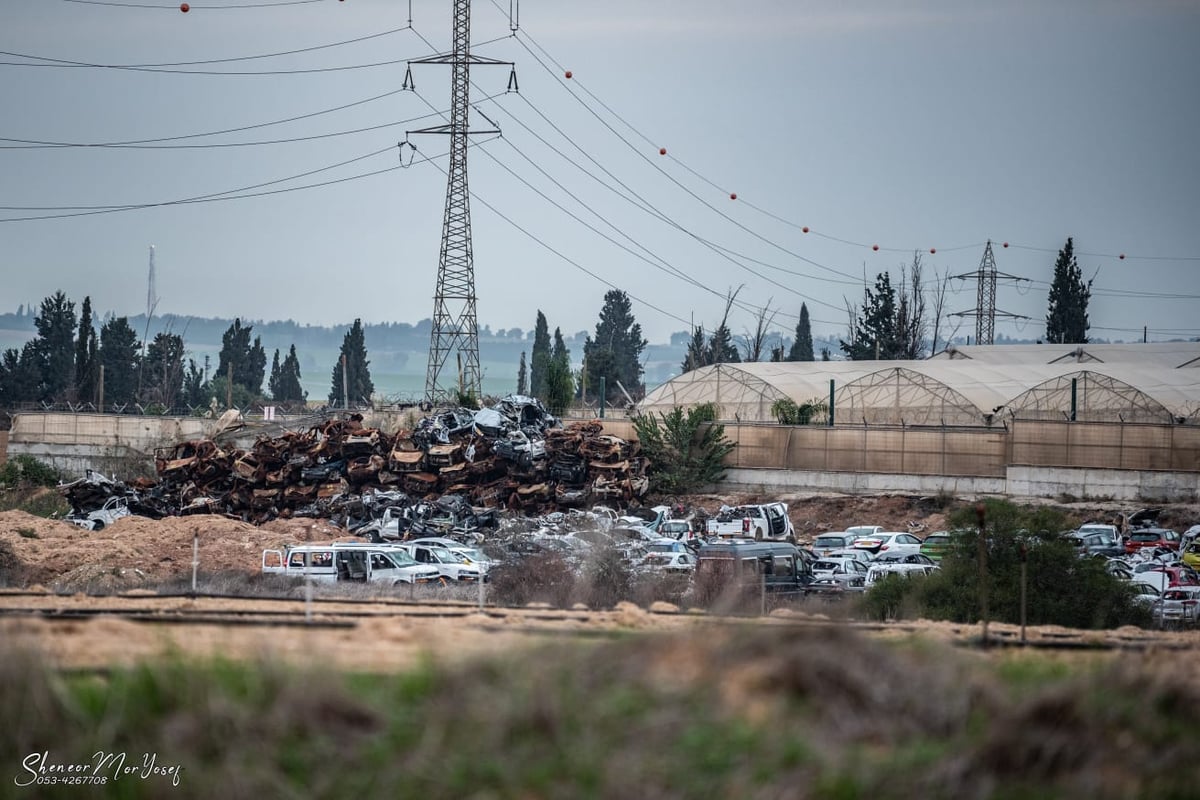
point(349, 561)
point(450, 564)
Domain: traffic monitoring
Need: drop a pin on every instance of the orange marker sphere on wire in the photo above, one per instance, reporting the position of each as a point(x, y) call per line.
point(1122, 256)
point(932, 250)
point(568, 74)
point(733, 195)
point(874, 247)
point(662, 151)
point(1006, 244)
point(804, 229)
point(184, 7)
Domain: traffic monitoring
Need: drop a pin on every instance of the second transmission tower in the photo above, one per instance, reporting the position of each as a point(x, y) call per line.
point(985, 312)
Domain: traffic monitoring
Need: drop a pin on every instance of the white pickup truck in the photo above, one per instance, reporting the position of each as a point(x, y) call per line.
point(767, 522)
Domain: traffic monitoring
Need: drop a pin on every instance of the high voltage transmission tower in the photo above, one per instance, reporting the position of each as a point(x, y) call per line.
point(985, 312)
point(455, 324)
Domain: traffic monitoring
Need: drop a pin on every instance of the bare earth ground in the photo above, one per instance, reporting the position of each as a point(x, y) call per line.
point(57, 557)
point(137, 550)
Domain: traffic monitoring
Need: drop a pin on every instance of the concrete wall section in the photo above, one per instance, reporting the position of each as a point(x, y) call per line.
point(1142, 485)
point(860, 482)
point(76, 459)
point(144, 433)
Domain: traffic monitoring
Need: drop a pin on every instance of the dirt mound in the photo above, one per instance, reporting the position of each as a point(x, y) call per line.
point(137, 549)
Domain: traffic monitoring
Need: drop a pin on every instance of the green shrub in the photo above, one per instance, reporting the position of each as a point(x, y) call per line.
point(25, 470)
point(686, 449)
point(1062, 588)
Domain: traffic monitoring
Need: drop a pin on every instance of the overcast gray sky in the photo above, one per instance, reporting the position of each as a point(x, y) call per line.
point(919, 125)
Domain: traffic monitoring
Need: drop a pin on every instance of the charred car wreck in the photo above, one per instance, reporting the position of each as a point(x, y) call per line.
point(455, 468)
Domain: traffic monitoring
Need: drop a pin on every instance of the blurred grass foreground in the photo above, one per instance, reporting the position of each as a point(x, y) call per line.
point(738, 713)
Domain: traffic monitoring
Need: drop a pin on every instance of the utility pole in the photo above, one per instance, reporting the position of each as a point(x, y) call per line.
point(985, 312)
point(345, 385)
point(455, 323)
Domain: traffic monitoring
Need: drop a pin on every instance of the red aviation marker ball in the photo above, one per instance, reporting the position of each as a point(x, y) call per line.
point(733, 195)
point(874, 247)
point(662, 151)
point(932, 250)
point(184, 7)
point(804, 229)
point(568, 74)
point(1006, 244)
point(1122, 256)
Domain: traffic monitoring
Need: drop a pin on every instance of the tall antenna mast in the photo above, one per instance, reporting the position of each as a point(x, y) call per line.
point(151, 289)
point(985, 312)
point(455, 324)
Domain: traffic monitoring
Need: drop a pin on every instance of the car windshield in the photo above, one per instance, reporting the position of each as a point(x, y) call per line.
point(826, 566)
point(448, 556)
point(1144, 537)
point(829, 541)
point(659, 558)
point(402, 558)
point(937, 539)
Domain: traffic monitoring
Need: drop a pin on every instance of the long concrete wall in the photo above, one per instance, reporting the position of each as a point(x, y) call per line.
point(1148, 486)
point(125, 444)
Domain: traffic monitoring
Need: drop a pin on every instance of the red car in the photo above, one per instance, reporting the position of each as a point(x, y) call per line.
point(1151, 537)
point(1178, 576)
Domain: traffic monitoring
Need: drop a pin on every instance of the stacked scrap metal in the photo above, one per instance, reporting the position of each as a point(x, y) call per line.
point(513, 455)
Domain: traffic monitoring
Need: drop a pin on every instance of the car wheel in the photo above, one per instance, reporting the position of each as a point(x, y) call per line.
point(98, 525)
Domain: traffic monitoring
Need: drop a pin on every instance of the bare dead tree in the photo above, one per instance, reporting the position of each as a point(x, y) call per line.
point(755, 344)
point(938, 294)
point(910, 312)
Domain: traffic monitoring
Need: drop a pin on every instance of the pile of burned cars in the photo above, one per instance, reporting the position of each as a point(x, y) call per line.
point(454, 468)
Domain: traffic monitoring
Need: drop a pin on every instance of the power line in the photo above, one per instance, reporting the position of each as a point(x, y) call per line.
point(160, 7)
point(154, 144)
point(239, 193)
point(64, 62)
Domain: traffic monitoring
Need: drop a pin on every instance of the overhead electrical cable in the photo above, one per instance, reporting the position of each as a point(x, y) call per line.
point(64, 64)
point(519, 37)
point(645, 205)
point(155, 144)
point(159, 6)
point(524, 36)
point(239, 193)
point(641, 203)
point(230, 60)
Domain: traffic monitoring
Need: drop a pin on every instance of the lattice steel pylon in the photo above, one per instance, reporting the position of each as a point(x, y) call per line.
point(455, 323)
point(985, 312)
point(985, 303)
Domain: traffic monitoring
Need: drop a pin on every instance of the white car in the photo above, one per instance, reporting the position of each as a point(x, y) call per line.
point(851, 552)
point(471, 553)
point(850, 572)
point(889, 542)
point(897, 564)
point(1180, 605)
point(669, 562)
point(453, 566)
point(112, 510)
point(828, 542)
